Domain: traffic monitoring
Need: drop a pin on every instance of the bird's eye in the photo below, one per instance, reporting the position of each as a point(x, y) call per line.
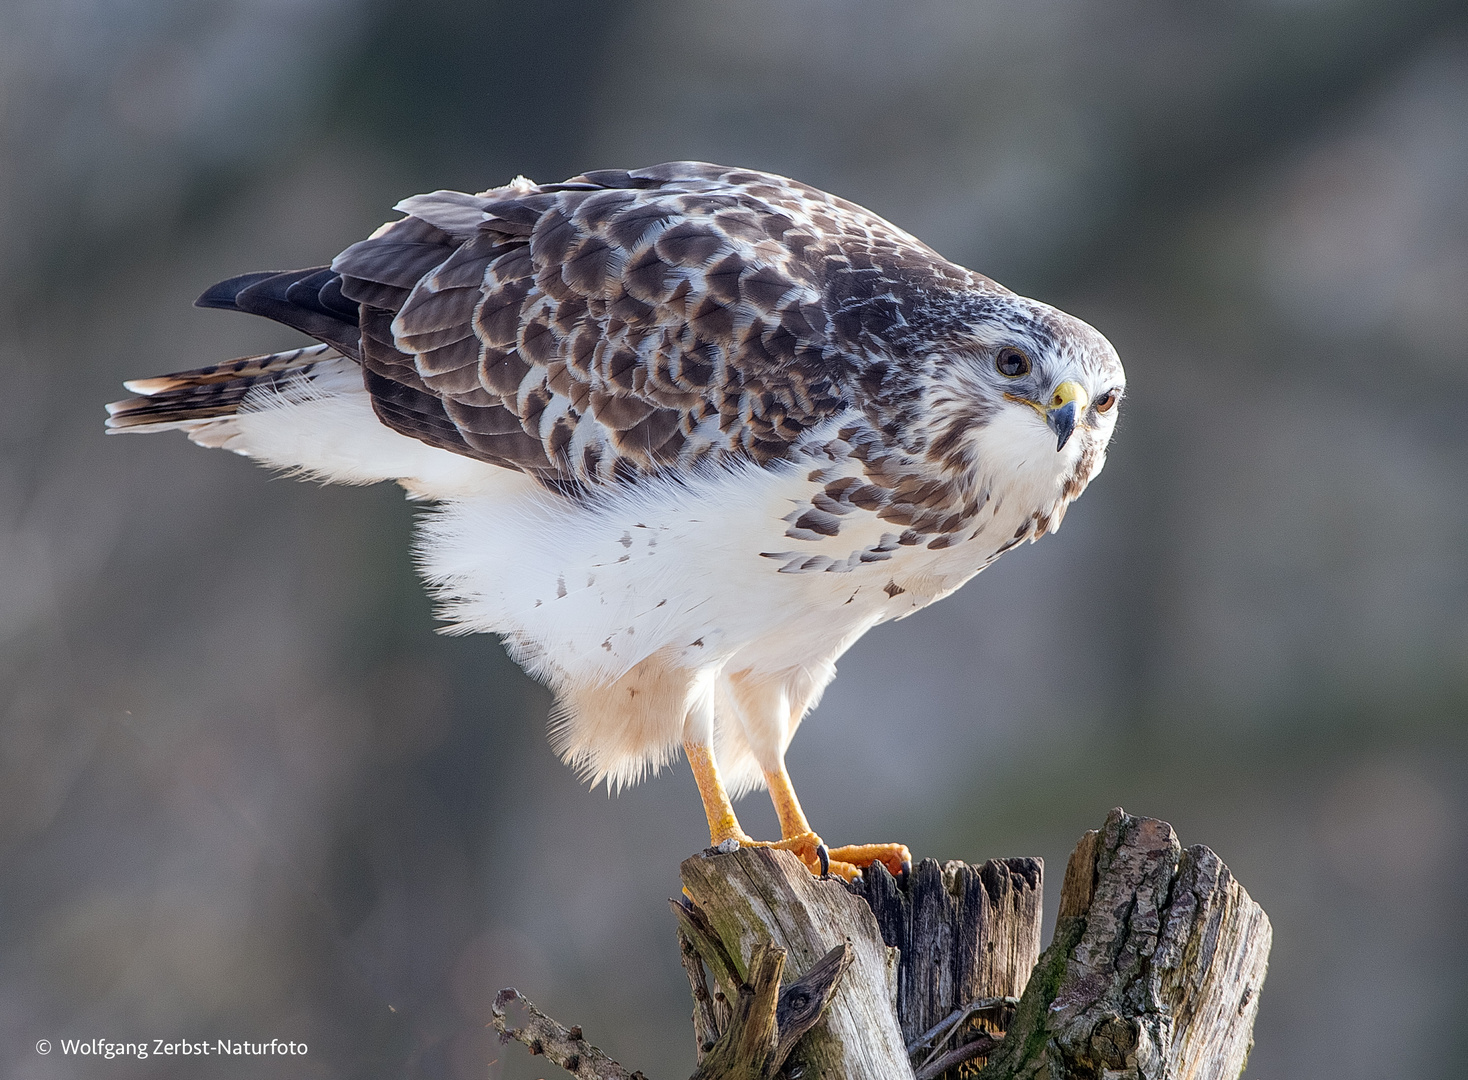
point(1011, 363)
point(1107, 401)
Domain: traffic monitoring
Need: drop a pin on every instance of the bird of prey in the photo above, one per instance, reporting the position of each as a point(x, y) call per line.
point(687, 431)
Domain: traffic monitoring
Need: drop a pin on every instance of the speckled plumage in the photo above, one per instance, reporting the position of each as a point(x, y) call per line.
point(691, 431)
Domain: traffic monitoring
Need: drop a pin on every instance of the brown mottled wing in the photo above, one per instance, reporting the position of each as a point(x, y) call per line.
point(624, 322)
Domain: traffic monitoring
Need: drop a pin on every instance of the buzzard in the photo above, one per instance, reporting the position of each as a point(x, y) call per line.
point(687, 433)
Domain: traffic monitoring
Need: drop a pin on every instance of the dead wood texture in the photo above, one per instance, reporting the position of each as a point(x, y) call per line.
point(751, 1034)
point(968, 937)
point(756, 895)
point(1153, 973)
point(561, 1045)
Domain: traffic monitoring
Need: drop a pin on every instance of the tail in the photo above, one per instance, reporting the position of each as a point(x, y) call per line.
point(307, 411)
point(205, 401)
point(309, 300)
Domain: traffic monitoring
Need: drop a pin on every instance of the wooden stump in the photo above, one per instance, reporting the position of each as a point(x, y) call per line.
point(1154, 971)
point(756, 895)
point(966, 934)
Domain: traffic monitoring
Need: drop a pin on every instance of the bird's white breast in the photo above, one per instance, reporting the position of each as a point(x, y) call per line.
point(583, 590)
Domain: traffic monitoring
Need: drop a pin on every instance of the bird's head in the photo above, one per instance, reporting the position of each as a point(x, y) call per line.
point(1023, 386)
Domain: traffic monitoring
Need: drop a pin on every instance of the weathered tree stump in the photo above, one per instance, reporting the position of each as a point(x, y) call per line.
point(1154, 971)
point(754, 895)
point(968, 937)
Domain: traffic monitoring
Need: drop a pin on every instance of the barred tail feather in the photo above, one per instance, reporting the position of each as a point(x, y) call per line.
point(188, 399)
point(305, 412)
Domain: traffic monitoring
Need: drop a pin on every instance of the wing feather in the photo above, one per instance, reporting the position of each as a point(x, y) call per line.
point(616, 325)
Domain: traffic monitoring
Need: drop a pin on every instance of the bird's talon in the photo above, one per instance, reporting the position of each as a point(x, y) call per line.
point(895, 857)
point(804, 846)
point(824, 854)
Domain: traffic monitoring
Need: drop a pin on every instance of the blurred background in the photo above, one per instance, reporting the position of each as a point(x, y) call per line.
point(246, 791)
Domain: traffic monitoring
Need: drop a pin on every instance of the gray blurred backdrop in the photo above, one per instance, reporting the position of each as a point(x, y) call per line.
point(246, 791)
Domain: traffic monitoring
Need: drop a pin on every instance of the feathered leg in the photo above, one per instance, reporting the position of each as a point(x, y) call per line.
point(769, 720)
point(698, 744)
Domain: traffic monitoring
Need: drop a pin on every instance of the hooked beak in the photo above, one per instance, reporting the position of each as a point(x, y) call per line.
point(1065, 405)
point(1062, 411)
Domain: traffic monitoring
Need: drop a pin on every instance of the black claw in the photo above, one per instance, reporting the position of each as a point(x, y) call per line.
point(906, 873)
point(824, 854)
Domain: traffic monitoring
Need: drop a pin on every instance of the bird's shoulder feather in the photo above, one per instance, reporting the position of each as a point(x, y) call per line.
point(627, 323)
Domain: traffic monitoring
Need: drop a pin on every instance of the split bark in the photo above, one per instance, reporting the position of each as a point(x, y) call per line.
point(968, 937)
point(757, 895)
point(1154, 971)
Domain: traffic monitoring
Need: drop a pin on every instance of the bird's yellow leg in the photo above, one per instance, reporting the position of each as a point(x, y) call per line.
point(849, 861)
point(724, 825)
point(787, 806)
point(795, 830)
